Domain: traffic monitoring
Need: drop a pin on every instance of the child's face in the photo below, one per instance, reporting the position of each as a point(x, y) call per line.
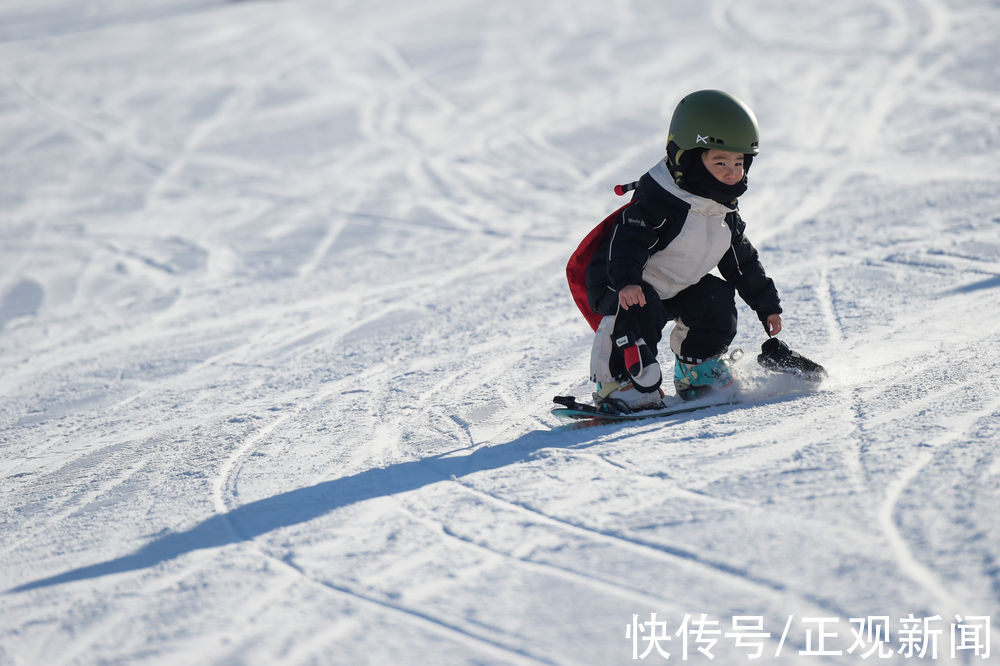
point(727, 167)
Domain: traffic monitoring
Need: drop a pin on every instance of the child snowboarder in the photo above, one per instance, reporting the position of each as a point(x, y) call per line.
point(649, 263)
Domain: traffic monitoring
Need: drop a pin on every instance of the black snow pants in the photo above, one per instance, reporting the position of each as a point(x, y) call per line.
point(706, 309)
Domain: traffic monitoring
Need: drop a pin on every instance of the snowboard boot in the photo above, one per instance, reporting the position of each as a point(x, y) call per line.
point(693, 380)
point(615, 398)
point(775, 355)
point(640, 364)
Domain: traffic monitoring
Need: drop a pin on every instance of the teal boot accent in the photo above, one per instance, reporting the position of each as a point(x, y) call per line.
point(692, 380)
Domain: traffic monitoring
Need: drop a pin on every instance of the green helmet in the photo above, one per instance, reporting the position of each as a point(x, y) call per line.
point(714, 119)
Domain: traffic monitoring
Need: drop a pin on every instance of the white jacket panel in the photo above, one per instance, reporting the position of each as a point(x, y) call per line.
point(699, 247)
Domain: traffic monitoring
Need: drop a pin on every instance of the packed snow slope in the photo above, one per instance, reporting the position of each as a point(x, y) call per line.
point(282, 308)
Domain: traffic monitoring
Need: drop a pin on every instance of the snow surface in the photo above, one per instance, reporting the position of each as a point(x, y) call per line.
point(282, 308)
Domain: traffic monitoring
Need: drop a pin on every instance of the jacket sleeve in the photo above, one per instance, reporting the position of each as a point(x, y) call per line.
point(632, 241)
point(741, 267)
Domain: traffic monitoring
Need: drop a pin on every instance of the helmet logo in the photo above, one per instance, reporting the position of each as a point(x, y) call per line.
point(708, 140)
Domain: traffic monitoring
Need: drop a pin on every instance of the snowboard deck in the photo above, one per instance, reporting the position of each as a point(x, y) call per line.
point(775, 356)
point(573, 409)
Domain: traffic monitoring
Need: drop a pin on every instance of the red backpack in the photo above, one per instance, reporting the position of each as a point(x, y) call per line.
point(577, 267)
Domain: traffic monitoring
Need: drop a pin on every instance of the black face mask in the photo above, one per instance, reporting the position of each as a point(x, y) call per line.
point(702, 183)
point(697, 180)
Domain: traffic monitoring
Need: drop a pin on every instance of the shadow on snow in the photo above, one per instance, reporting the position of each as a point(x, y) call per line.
point(304, 504)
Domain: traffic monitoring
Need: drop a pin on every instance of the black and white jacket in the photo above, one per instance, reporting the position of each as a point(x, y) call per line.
point(670, 239)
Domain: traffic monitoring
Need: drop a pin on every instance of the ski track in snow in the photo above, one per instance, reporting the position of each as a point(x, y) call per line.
point(282, 306)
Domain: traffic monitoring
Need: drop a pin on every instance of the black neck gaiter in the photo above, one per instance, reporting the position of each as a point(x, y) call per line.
point(692, 175)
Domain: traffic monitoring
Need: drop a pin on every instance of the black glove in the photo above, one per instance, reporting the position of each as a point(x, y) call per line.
point(776, 355)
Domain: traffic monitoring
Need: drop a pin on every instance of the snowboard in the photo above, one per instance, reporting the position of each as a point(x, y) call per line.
point(573, 409)
point(775, 356)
